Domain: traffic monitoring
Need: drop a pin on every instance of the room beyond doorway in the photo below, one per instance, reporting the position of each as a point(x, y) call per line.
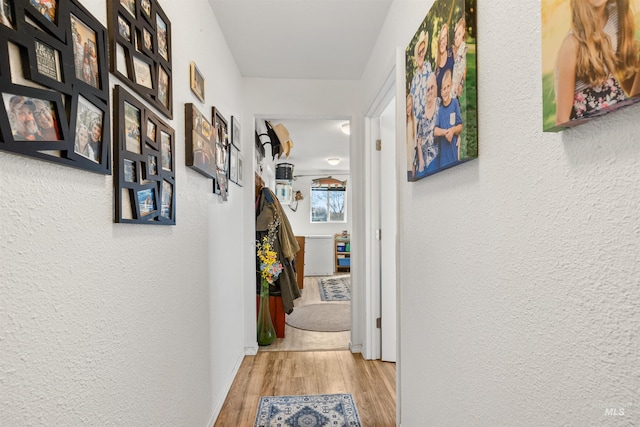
point(302, 340)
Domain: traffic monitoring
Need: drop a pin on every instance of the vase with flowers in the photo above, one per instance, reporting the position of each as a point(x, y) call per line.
point(270, 269)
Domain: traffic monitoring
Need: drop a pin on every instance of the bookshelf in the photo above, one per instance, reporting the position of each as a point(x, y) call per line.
point(342, 249)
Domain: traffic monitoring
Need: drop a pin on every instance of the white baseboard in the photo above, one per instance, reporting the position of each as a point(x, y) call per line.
point(251, 351)
point(355, 348)
point(218, 405)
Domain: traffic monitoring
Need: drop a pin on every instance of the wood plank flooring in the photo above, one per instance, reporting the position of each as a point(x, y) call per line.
point(278, 373)
point(307, 362)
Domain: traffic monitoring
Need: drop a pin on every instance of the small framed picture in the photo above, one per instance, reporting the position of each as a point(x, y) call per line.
point(161, 32)
point(165, 148)
point(152, 165)
point(6, 13)
point(130, 174)
point(129, 6)
point(47, 60)
point(197, 82)
point(46, 7)
point(146, 7)
point(85, 50)
point(199, 144)
point(235, 132)
point(240, 161)
point(89, 124)
point(32, 119)
point(132, 128)
point(147, 40)
point(151, 130)
point(146, 201)
point(167, 200)
point(142, 73)
point(221, 140)
point(233, 164)
point(124, 29)
point(163, 87)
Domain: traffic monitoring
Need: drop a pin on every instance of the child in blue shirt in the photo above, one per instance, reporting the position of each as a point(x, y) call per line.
point(449, 125)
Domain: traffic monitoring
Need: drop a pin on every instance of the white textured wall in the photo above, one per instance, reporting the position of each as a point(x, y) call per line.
point(520, 292)
point(120, 324)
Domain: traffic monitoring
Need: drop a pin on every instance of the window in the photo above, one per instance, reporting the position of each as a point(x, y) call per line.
point(328, 201)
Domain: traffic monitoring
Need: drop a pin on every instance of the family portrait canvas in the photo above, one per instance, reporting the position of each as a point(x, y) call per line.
point(441, 100)
point(590, 63)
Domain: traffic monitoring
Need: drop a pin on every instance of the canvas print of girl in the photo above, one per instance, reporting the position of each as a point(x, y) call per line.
point(589, 59)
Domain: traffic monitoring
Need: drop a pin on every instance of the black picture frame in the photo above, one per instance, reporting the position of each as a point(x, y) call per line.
point(235, 132)
point(142, 60)
point(199, 142)
point(43, 40)
point(221, 144)
point(145, 181)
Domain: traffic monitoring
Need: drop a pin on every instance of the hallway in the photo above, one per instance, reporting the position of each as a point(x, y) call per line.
point(278, 373)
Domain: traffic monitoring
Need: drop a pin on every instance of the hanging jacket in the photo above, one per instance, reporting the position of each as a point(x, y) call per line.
point(285, 245)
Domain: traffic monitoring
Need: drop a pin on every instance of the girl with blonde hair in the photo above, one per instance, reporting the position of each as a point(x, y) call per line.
point(597, 62)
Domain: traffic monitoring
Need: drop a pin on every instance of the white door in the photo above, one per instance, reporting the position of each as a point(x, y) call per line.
point(388, 225)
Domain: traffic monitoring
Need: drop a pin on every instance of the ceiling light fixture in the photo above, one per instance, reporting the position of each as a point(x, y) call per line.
point(333, 161)
point(346, 128)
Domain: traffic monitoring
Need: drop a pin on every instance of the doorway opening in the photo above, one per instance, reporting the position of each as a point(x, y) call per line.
point(321, 171)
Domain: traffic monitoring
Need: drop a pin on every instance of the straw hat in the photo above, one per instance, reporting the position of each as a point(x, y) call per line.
point(285, 141)
point(422, 38)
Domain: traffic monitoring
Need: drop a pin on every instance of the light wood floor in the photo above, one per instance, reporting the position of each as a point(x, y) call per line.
point(278, 373)
point(300, 340)
point(306, 362)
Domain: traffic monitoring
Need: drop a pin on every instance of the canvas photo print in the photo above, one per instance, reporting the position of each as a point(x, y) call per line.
point(441, 101)
point(590, 59)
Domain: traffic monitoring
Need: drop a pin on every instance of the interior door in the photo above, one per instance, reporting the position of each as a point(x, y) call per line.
point(388, 225)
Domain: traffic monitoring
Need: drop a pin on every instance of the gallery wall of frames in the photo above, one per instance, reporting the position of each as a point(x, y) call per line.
point(54, 83)
point(140, 41)
point(55, 59)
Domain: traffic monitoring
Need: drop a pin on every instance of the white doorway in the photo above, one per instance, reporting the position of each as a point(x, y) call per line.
point(388, 226)
point(381, 317)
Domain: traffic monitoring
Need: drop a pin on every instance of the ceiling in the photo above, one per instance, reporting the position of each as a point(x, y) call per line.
point(301, 39)
point(304, 39)
point(315, 140)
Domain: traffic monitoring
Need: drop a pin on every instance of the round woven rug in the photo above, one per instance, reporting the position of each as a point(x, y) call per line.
point(324, 317)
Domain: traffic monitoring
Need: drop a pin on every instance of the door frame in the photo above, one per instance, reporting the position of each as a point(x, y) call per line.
point(393, 85)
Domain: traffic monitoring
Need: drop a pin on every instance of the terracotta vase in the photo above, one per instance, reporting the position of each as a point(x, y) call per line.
point(265, 329)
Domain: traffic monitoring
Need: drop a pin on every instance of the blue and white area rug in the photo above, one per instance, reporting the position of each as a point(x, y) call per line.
point(307, 411)
point(335, 288)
